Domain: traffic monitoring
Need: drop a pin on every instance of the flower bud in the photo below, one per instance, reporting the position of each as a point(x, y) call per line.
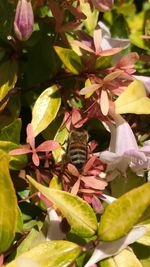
point(24, 20)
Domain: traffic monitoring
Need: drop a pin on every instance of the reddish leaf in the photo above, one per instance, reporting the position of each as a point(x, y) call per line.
point(110, 52)
point(97, 40)
point(83, 46)
point(112, 76)
point(92, 182)
point(128, 60)
point(75, 187)
point(35, 159)
point(73, 170)
point(89, 164)
point(30, 136)
point(48, 146)
point(20, 151)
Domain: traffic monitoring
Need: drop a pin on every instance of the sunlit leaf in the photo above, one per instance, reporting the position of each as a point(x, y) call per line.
point(15, 162)
point(8, 78)
point(8, 206)
point(92, 16)
point(61, 137)
point(48, 254)
point(133, 100)
point(78, 213)
point(120, 216)
point(70, 59)
point(137, 40)
point(123, 259)
point(45, 109)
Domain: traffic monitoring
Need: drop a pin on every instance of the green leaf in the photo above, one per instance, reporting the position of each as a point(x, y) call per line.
point(120, 216)
point(8, 78)
point(120, 185)
point(15, 162)
point(61, 137)
point(20, 222)
point(11, 132)
point(8, 206)
point(133, 100)
point(70, 59)
point(125, 258)
point(48, 254)
point(143, 254)
point(103, 62)
point(78, 213)
point(45, 109)
point(137, 40)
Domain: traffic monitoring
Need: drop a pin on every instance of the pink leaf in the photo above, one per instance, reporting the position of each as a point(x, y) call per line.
point(48, 146)
point(1, 259)
point(83, 46)
point(20, 151)
point(97, 205)
point(104, 102)
point(97, 39)
point(110, 52)
point(110, 77)
point(73, 170)
point(90, 191)
point(103, 5)
point(92, 182)
point(90, 89)
point(35, 159)
point(30, 136)
point(89, 164)
point(128, 60)
point(75, 187)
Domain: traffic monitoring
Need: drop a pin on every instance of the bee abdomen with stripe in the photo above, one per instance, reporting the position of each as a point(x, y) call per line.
point(77, 147)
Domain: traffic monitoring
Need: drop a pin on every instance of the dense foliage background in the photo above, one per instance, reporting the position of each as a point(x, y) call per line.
point(75, 65)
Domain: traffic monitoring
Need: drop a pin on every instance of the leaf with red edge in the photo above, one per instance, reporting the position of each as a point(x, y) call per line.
point(48, 145)
point(104, 102)
point(83, 46)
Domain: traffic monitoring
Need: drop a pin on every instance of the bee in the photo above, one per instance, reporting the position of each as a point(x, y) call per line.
point(77, 149)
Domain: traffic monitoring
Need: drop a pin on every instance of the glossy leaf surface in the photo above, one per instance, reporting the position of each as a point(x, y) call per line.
point(45, 109)
point(120, 216)
point(48, 254)
point(79, 214)
point(70, 59)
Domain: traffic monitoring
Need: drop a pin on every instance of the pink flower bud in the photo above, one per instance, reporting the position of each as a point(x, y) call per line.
point(24, 20)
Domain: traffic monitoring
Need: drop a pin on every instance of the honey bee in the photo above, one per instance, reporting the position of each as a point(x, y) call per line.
point(77, 149)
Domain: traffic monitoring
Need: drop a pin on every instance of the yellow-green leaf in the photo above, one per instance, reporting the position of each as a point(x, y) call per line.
point(48, 254)
point(61, 137)
point(45, 109)
point(8, 206)
point(133, 100)
point(120, 216)
point(92, 15)
point(125, 258)
point(70, 59)
point(8, 78)
point(79, 214)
